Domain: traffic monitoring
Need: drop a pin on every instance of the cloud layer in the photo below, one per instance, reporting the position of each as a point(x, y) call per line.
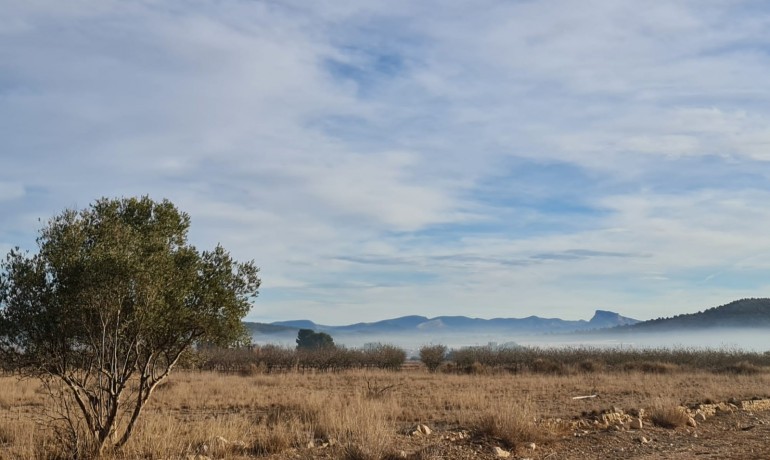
point(378, 159)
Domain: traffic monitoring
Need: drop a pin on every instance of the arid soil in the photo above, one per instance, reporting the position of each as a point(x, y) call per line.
point(738, 434)
point(359, 415)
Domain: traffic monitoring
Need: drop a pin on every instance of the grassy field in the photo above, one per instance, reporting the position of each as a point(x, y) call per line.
point(368, 414)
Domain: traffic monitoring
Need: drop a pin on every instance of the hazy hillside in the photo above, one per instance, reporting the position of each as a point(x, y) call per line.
point(744, 313)
point(263, 328)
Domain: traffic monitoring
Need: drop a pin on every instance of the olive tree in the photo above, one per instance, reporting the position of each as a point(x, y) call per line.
point(112, 298)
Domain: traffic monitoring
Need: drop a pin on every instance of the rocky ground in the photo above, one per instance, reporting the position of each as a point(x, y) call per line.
point(737, 430)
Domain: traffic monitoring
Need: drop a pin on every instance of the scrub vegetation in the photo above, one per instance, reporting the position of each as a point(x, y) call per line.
point(248, 408)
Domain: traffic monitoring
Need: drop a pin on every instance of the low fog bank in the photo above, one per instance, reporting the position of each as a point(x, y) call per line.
point(739, 339)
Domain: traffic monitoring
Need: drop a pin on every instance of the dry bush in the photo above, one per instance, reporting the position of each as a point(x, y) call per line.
point(476, 368)
point(512, 424)
point(590, 366)
point(253, 369)
point(432, 356)
point(547, 366)
point(742, 367)
point(651, 367)
point(668, 415)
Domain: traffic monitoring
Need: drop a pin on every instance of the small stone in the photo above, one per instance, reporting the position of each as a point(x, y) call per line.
point(691, 422)
point(636, 424)
point(501, 453)
point(643, 440)
point(700, 417)
point(424, 429)
point(310, 444)
point(530, 445)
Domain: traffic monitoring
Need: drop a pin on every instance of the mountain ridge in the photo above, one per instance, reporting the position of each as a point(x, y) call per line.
point(742, 313)
point(458, 323)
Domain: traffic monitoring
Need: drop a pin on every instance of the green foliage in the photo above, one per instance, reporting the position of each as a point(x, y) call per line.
point(307, 339)
point(111, 300)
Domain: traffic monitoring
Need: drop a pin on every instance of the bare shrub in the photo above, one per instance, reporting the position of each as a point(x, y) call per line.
point(547, 366)
point(432, 356)
point(254, 369)
point(476, 368)
point(590, 366)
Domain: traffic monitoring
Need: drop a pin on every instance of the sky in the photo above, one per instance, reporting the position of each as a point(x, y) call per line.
point(379, 159)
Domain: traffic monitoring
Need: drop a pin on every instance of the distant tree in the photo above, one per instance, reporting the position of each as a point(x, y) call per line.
point(432, 356)
point(308, 339)
point(389, 357)
point(113, 298)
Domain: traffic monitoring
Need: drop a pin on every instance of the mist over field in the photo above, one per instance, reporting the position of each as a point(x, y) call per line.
point(718, 338)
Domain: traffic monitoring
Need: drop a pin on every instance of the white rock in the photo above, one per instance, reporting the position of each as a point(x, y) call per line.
point(501, 453)
point(530, 445)
point(636, 424)
point(691, 422)
point(424, 429)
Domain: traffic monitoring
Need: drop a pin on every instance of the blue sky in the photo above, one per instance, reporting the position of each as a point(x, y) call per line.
point(378, 159)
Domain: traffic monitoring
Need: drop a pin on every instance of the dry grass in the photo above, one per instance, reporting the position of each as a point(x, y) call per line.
point(667, 414)
point(512, 424)
point(260, 414)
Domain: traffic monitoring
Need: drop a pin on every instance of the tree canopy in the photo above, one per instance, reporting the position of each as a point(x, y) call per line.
point(111, 300)
point(308, 339)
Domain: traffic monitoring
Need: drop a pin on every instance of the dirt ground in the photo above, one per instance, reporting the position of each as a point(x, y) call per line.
point(378, 411)
point(740, 435)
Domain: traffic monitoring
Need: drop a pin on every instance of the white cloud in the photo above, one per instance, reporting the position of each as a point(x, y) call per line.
point(402, 153)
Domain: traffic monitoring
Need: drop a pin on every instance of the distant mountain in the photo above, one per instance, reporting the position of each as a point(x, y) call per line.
point(298, 324)
point(604, 319)
point(464, 324)
point(744, 313)
point(262, 328)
